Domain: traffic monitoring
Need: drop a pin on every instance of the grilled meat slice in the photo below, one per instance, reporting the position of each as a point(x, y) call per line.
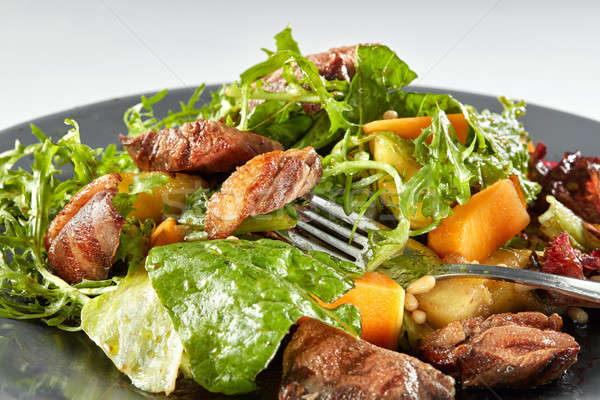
point(264, 184)
point(83, 238)
point(516, 350)
point(202, 146)
point(337, 63)
point(322, 362)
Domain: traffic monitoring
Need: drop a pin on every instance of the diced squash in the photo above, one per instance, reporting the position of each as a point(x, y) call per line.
point(410, 128)
point(515, 180)
point(399, 154)
point(167, 232)
point(479, 227)
point(172, 194)
point(380, 301)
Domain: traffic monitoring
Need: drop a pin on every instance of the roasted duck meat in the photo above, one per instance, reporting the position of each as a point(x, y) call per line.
point(574, 181)
point(264, 184)
point(337, 63)
point(325, 363)
point(521, 350)
point(202, 146)
point(83, 238)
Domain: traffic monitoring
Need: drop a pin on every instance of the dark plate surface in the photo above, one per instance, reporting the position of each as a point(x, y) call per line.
point(37, 362)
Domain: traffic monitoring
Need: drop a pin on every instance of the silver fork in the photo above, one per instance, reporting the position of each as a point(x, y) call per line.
point(316, 232)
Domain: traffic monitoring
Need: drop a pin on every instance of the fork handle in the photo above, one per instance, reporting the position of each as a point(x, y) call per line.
point(578, 288)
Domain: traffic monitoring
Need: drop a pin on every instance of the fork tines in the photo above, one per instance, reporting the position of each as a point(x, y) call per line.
point(330, 231)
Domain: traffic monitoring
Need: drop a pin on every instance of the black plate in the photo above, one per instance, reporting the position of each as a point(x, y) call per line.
point(37, 362)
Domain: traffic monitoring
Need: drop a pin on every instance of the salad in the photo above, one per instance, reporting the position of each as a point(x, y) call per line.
point(171, 254)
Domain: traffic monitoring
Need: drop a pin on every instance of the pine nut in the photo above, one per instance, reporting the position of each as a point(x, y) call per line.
point(419, 317)
point(421, 285)
point(410, 302)
point(390, 114)
point(578, 315)
point(595, 278)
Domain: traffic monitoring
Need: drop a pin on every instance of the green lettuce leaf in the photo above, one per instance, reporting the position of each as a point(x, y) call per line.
point(411, 104)
point(233, 301)
point(282, 121)
point(135, 331)
point(379, 71)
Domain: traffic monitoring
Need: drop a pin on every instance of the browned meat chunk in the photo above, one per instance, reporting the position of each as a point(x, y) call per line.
point(322, 363)
point(83, 238)
point(201, 146)
point(265, 183)
point(515, 350)
point(337, 63)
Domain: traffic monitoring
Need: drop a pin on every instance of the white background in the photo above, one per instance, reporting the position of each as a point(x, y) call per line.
point(59, 54)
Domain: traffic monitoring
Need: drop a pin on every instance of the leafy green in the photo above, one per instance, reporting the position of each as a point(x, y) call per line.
point(379, 71)
point(195, 208)
point(558, 219)
point(501, 146)
point(444, 178)
point(134, 242)
point(285, 41)
point(284, 218)
point(252, 290)
point(135, 331)
point(29, 200)
point(411, 104)
point(416, 260)
point(282, 121)
point(140, 118)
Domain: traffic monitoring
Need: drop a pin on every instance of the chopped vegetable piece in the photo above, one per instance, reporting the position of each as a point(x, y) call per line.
point(172, 194)
point(411, 128)
point(380, 301)
point(558, 219)
point(134, 330)
point(233, 301)
point(487, 221)
point(167, 232)
point(455, 299)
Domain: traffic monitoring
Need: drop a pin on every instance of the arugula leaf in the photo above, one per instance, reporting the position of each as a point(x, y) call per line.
point(443, 179)
point(29, 199)
point(378, 72)
point(415, 261)
point(135, 331)
point(134, 243)
point(285, 41)
point(501, 146)
point(253, 290)
point(140, 118)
